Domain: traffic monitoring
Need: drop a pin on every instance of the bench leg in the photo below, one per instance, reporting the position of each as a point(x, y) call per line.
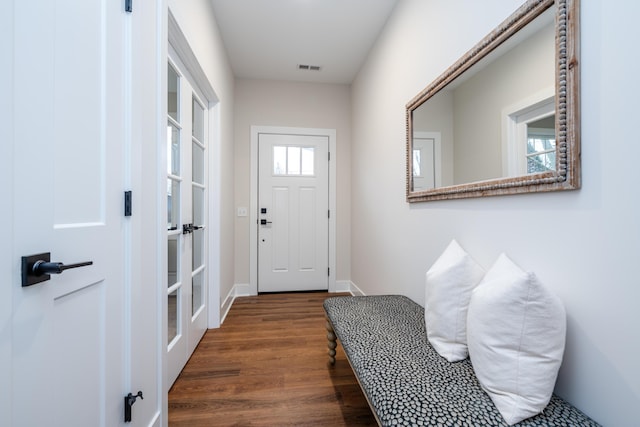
point(332, 344)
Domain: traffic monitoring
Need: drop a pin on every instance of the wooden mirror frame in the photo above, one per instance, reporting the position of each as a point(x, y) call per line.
point(567, 107)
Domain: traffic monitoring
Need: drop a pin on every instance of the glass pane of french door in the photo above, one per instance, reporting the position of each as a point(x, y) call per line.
point(173, 204)
point(198, 234)
point(197, 160)
point(197, 119)
point(174, 208)
point(197, 299)
point(173, 260)
point(173, 316)
point(173, 93)
point(198, 204)
point(173, 149)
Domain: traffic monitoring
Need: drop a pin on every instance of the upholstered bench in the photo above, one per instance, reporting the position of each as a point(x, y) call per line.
point(405, 381)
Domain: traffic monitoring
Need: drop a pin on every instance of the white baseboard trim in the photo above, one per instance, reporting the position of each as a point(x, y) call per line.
point(348, 286)
point(226, 305)
point(238, 290)
point(243, 290)
point(343, 286)
point(155, 422)
point(355, 291)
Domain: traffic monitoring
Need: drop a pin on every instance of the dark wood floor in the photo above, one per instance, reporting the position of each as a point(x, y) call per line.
point(268, 366)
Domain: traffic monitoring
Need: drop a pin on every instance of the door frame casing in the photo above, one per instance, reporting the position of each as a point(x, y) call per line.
point(174, 38)
point(178, 41)
point(253, 200)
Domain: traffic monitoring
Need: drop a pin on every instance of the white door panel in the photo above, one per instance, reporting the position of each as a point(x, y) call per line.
point(8, 264)
point(293, 192)
point(68, 341)
point(308, 233)
point(278, 233)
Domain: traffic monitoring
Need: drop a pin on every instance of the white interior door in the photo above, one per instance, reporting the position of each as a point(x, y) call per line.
point(427, 169)
point(68, 341)
point(423, 164)
point(7, 263)
point(293, 212)
point(186, 218)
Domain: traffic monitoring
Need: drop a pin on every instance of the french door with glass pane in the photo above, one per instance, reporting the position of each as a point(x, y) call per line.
point(187, 137)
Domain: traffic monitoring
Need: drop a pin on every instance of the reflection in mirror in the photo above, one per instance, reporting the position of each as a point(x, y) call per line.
point(488, 125)
point(427, 158)
point(541, 145)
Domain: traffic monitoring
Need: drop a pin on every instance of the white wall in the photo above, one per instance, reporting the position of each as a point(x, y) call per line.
point(197, 21)
point(307, 105)
point(588, 247)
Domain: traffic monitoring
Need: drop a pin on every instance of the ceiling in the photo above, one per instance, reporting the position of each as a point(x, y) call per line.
point(269, 39)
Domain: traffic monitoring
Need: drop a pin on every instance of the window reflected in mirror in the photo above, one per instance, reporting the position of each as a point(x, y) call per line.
point(541, 145)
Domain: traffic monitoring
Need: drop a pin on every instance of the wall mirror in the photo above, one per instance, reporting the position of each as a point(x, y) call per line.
point(504, 119)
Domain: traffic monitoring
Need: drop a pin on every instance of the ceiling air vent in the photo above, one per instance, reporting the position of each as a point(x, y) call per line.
point(308, 67)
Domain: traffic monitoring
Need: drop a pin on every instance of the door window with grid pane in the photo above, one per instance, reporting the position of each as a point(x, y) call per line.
point(293, 160)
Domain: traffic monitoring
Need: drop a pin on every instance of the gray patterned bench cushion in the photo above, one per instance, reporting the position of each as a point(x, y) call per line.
point(406, 382)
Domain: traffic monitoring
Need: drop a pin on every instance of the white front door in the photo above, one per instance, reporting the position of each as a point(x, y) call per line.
point(293, 212)
point(187, 195)
point(68, 333)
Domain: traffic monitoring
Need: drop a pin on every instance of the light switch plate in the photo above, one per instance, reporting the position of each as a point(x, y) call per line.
point(242, 211)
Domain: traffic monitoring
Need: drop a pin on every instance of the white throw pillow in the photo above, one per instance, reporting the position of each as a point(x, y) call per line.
point(516, 336)
point(449, 283)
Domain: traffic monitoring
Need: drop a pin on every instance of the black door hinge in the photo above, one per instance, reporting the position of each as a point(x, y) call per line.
point(129, 400)
point(127, 203)
point(128, 7)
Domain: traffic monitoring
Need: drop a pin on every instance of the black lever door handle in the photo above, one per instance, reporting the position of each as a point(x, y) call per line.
point(42, 267)
point(190, 228)
point(38, 268)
